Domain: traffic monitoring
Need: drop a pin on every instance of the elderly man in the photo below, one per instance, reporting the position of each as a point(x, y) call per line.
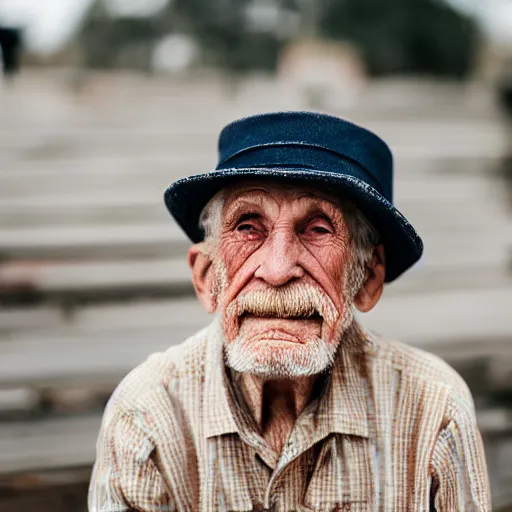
point(284, 402)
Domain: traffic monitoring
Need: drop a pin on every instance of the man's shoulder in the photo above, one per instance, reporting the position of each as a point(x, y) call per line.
point(162, 372)
point(419, 367)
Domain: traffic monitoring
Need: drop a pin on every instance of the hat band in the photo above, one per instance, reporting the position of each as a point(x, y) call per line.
point(300, 157)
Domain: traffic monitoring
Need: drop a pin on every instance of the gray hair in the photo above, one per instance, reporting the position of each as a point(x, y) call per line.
point(210, 219)
point(363, 235)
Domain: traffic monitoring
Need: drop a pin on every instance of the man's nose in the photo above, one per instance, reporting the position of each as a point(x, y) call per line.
point(280, 259)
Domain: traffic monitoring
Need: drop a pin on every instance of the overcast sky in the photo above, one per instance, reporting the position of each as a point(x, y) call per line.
point(49, 23)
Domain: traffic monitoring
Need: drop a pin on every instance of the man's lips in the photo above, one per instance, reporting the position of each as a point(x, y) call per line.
point(295, 330)
point(246, 315)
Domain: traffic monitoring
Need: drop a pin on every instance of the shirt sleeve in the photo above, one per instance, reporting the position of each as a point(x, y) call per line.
point(459, 468)
point(125, 476)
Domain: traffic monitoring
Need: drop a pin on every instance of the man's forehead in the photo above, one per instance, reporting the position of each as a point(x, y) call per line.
point(250, 189)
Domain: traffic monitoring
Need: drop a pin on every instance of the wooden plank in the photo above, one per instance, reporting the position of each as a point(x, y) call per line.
point(84, 349)
point(103, 182)
point(95, 319)
point(48, 444)
point(63, 283)
point(451, 324)
point(29, 318)
point(95, 279)
point(160, 168)
point(158, 239)
point(19, 484)
point(132, 185)
point(66, 282)
point(437, 211)
point(111, 178)
point(500, 371)
point(107, 342)
point(116, 98)
point(18, 400)
point(99, 359)
point(175, 130)
point(428, 277)
point(108, 241)
point(82, 212)
point(403, 145)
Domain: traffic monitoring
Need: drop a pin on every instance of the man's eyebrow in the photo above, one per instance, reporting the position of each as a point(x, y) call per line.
point(318, 213)
point(241, 208)
point(324, 209)
point(247, 216)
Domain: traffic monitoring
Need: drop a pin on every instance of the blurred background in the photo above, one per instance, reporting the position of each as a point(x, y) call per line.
point(104, 103)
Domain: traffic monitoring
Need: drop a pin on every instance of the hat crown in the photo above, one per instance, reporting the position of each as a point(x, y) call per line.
point(307, 140)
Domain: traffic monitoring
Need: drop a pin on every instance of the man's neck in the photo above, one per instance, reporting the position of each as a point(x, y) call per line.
point(275, 404)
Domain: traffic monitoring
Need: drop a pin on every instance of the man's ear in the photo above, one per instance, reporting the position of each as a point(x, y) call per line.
point(371, 289)
point(202, 276)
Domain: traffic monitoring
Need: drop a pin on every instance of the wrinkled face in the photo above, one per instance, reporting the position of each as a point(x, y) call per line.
point(282, 262)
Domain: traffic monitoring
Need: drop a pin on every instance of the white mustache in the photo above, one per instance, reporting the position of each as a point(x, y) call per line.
point(294, 300)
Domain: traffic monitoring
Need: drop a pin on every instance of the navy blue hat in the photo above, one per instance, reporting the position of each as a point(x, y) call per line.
point(308, 148)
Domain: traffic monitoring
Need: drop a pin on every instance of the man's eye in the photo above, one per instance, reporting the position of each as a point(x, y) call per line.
point(320, 229)
point(245, 227)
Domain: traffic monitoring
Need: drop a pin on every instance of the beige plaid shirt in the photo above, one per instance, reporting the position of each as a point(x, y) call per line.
point(400, 436)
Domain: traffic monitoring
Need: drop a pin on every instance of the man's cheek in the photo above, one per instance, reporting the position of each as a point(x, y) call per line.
point(335, 266)
point(220, 278)
point(234, 254)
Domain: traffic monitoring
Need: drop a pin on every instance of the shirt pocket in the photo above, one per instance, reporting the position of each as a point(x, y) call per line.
point(342, 476)
point(230, 482)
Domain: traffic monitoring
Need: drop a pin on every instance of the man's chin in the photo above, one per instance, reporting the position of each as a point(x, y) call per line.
point(278, 357)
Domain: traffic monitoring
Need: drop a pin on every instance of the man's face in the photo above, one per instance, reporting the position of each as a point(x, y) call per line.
point(282, 260)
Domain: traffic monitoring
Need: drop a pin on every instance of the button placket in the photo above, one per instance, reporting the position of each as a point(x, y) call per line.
point(273, 485)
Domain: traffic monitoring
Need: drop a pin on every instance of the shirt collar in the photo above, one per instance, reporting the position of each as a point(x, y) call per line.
point(218, 406)
point(343, 409)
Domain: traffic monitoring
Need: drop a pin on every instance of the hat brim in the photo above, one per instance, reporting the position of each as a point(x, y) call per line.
point(186, 198)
